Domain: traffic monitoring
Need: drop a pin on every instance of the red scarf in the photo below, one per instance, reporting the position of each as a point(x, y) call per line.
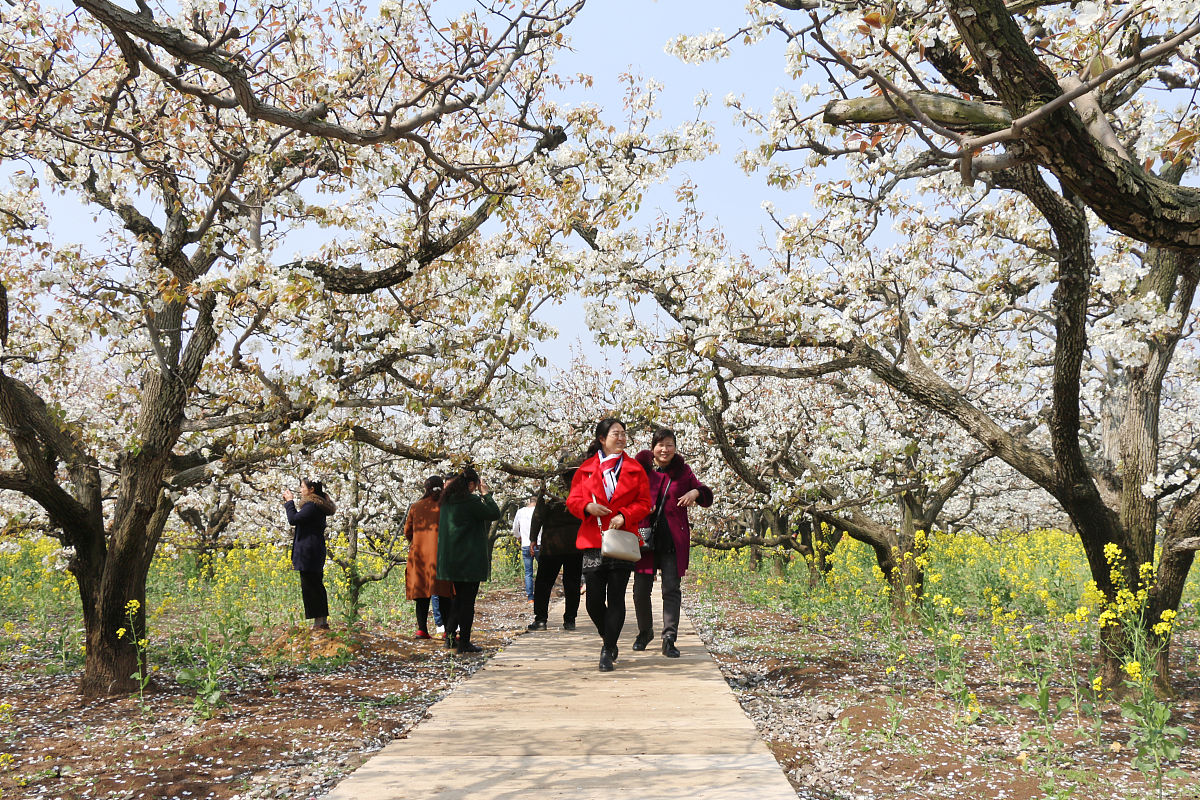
point(610, 471)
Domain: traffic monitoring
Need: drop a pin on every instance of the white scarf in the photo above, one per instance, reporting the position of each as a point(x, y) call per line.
point(611, 472)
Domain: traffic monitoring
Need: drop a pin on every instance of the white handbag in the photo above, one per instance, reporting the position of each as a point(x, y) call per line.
point(621, 545)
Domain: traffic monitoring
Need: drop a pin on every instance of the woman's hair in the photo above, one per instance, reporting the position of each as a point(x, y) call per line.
point(663, 433)
point(602, 429)
point(433, 487)
point(460, 483)
point(323, 499)
point(317, 487)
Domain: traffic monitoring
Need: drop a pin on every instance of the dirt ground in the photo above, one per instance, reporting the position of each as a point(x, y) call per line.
point(841, 727)
point(290, 730)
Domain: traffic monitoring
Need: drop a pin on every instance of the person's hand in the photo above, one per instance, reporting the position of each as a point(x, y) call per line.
point(482, 486)
point(613, 523)
point(287, 495)
point(597, 510)
point(689, 499)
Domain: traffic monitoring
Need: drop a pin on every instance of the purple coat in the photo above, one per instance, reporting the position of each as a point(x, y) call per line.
point(683, 480)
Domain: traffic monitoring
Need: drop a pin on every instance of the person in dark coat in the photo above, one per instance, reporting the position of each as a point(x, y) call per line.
point(609, 491)
point(552, 537)
point(306, 514)
point(462, 554)
point(420, 570)
point(675, 489)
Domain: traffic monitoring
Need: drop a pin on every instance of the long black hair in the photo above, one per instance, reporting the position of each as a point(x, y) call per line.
point(433, 487)
point(317, 487)
point(460, 483)
point(602, 429)
point(323, 499)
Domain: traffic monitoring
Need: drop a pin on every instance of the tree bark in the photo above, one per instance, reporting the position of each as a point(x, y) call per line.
point(1123, 194)
point(952, 112)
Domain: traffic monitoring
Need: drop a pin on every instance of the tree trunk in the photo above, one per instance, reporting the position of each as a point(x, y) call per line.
point(112, 660)
point(112, 592)
point(353, 578)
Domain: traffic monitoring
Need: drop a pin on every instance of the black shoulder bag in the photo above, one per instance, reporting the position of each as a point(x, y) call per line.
point(649, 534)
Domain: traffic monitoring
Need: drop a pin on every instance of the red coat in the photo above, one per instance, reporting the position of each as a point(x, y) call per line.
point(683, 480)
point(631, 498)
point(420, 573)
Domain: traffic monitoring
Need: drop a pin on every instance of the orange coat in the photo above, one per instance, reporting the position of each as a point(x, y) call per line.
point(420, 573)
point(631, 498)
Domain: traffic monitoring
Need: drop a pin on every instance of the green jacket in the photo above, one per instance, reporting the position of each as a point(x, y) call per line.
point(463, 537)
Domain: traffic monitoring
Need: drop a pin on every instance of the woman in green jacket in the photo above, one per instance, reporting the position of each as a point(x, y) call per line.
point(462, 557)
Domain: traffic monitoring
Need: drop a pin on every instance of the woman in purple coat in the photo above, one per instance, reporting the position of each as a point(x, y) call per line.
point(674, 489)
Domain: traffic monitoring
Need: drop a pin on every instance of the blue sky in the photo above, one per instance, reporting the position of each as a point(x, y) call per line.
point(611, 37)
point(615, 36)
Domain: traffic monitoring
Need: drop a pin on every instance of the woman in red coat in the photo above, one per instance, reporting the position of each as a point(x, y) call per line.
point(420, 573)
point(609, 490)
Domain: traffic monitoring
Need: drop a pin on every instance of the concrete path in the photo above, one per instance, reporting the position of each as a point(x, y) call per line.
point(541, 722)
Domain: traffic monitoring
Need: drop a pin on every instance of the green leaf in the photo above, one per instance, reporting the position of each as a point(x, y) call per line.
point(1099, 64)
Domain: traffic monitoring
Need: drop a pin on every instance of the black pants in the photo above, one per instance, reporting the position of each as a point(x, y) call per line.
point(668, 565)
point(606, 601)
point(422, 613)
point(312, 589)
point(462, 610)
point(548, 567)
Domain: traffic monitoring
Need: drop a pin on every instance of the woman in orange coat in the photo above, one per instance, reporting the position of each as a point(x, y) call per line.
point(421, 531)
point(609, 490)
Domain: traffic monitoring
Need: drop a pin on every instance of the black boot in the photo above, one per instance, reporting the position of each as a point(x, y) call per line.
point(451, 640)
point(643, 639)
point(669, 649)
point(568, 624)
point(537, 625)
point(606, 660)
point(465, 646)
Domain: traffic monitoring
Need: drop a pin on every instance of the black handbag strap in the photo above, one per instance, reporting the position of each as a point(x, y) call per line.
point(662, 501)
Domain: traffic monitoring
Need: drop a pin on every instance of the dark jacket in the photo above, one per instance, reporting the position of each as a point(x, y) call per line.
point(553, 527)
point(308, 534)
point(683, 480)
point(462, 551)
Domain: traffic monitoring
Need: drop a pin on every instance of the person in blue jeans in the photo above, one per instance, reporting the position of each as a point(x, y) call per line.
point(521, 528)
point(435, 606)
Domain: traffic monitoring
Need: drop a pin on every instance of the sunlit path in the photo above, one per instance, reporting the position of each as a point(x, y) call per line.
point(541, 721)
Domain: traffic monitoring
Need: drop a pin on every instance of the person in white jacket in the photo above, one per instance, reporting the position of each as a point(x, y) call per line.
point(521, 528)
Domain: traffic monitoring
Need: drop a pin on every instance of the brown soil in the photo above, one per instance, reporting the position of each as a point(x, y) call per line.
point(325, 703)
point(842, 727)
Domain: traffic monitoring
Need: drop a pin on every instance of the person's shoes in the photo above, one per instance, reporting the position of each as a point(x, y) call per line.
point(451, 641)
point(442, 630)
point(613, 650)
point(669, 649)
point(643, 639)
point(468, 647)
point(606, 661)
point(422, 635)
point(568, 625)
point(536, 625)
